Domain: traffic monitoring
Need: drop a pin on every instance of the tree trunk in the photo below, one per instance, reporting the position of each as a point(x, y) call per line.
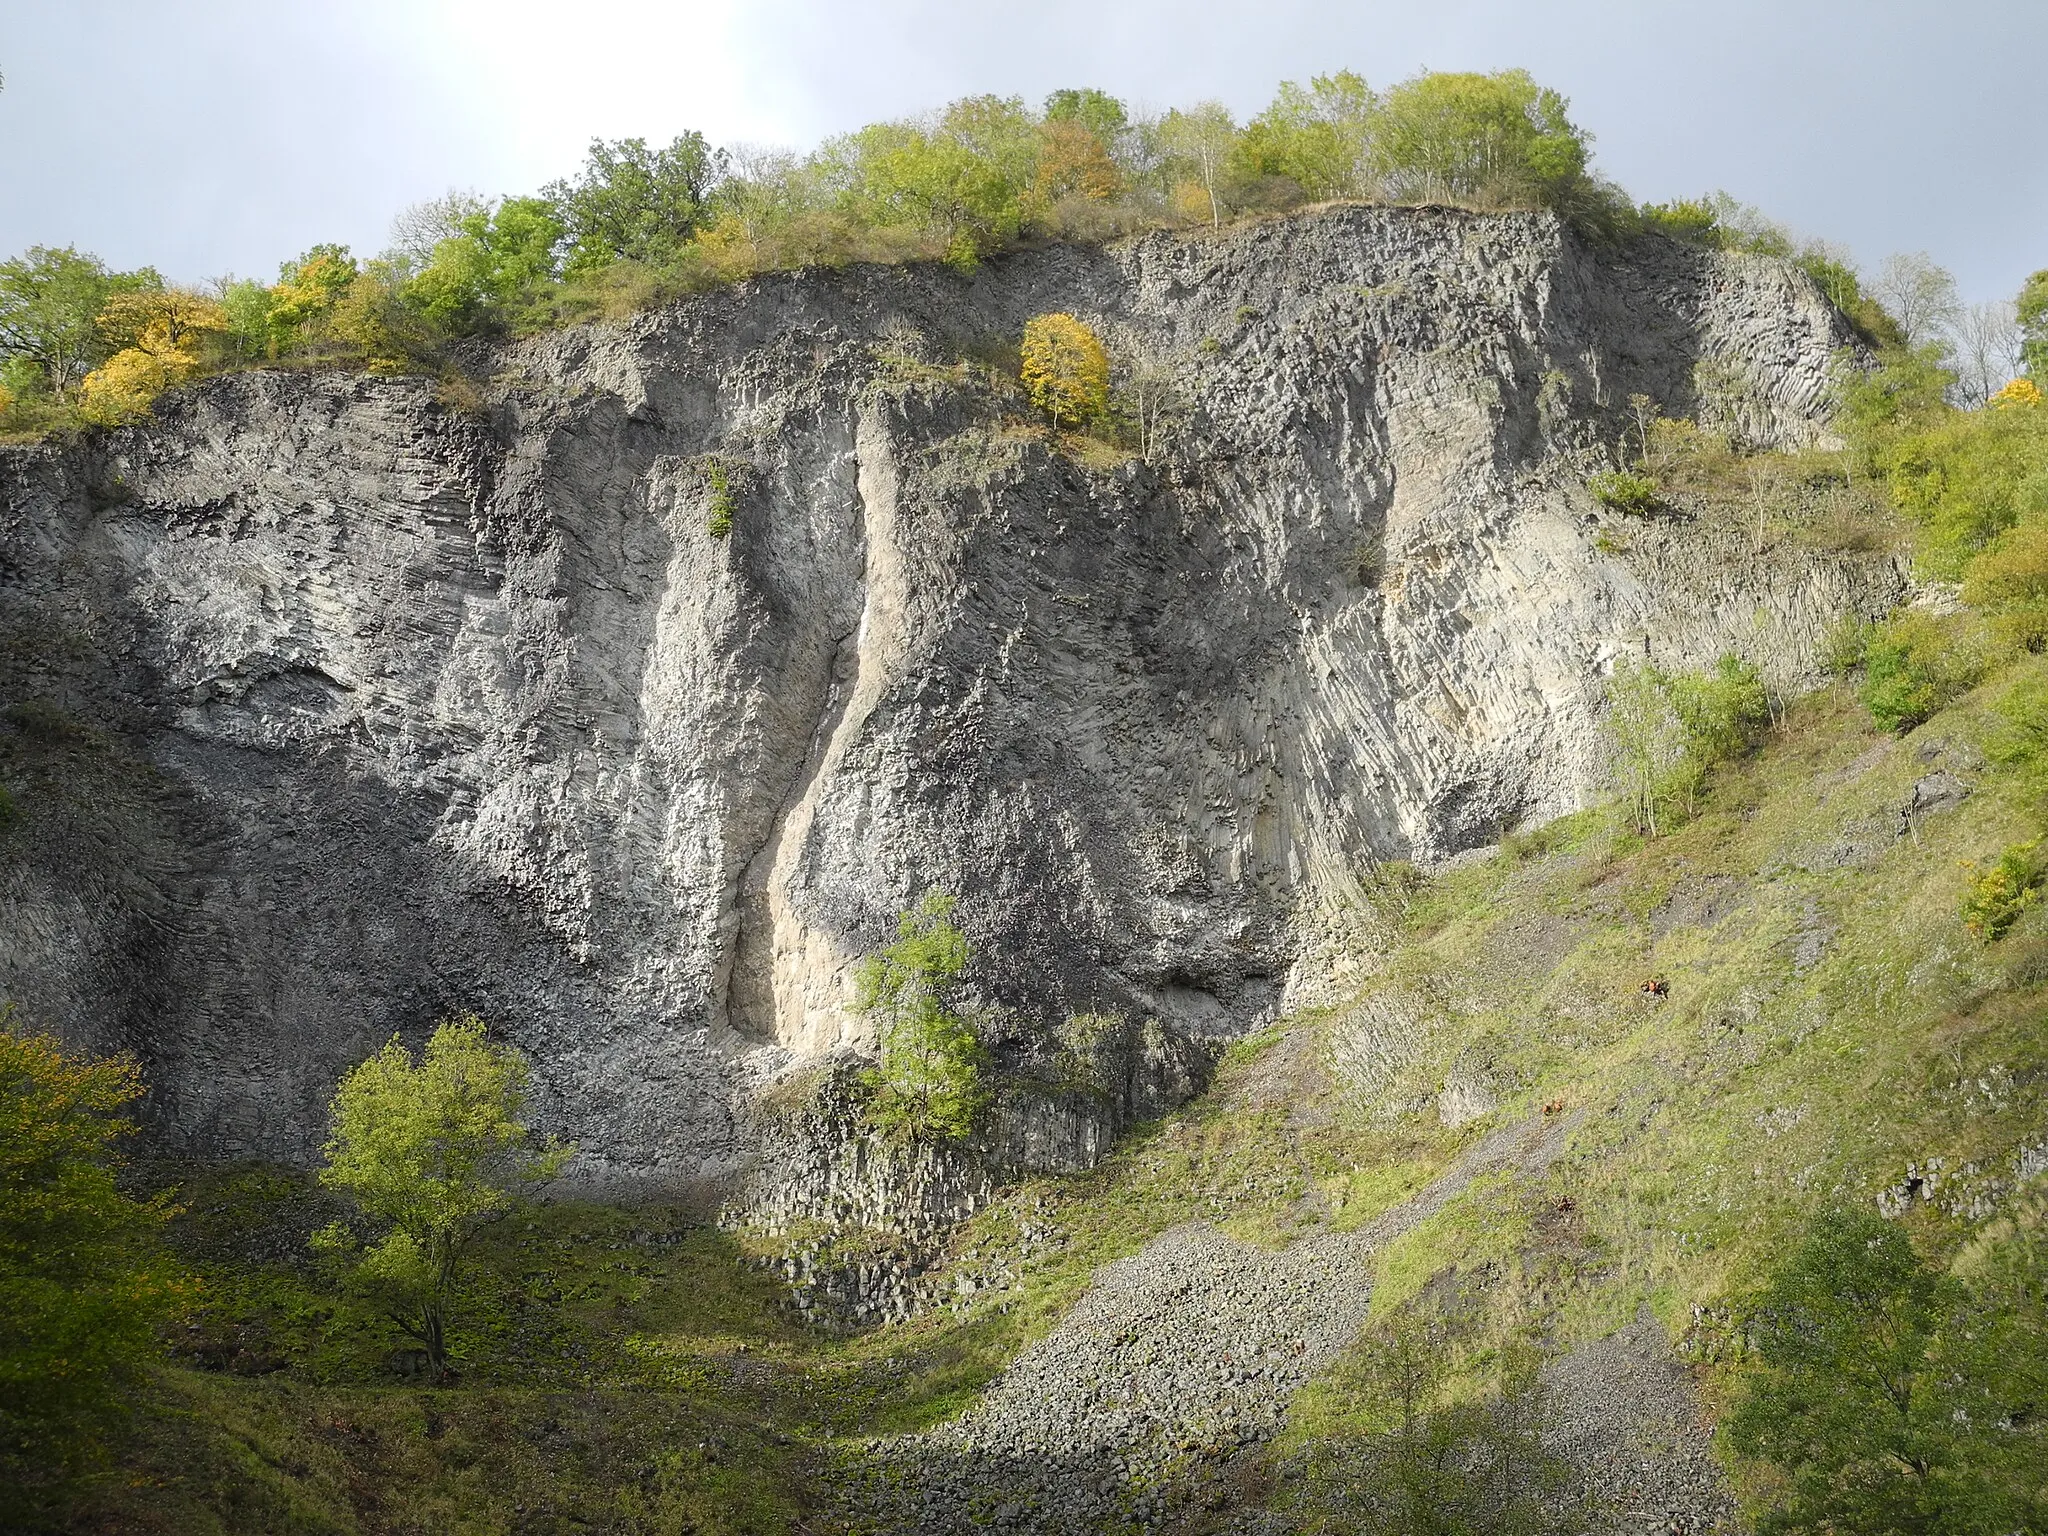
point(433, 1333)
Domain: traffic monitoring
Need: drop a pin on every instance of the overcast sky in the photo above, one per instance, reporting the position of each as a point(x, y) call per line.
point(216, 136)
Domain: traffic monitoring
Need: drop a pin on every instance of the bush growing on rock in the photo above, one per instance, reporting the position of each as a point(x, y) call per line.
point(1625, 491)
point(1065, 370)
point(1997, 896)
point(928, 1084)
point(1915, 665)
point(720, 506)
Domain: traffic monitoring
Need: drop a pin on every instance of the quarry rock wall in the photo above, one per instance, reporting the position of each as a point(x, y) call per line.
point(332, 708)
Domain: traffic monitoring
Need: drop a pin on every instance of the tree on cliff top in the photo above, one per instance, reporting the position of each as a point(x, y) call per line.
point(632, 203)
point(1499, 138)
point(164, 336)
point(50, 306)
point(2032, 314)
point(430, 1152)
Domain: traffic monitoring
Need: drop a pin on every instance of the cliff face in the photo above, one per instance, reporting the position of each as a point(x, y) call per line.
point(334, 709)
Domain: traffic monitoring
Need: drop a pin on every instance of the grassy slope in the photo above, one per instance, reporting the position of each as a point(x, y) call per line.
point(1827, 1022)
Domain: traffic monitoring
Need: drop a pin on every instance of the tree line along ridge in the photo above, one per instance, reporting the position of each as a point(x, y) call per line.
point(81, 343)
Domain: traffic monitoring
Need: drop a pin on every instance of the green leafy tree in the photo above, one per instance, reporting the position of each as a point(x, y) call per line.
point(1314, 138)
point(1666, 731)
point(1430, 1460)
point(1495, 139)
point(1916, 664)
point(495, 268)
point(246, 302)
point(2032, 313)
point(430, 1152)
point(50, 305)
point(1721, 715)
point(273, 321)
point(1196, 148)
point(1645, 740)
point(1880, 1394)
point(928, 1084)
point(83, 1281)
point(632, 203)
point(1097, 111)
point(376, 318)
point(309, 287)
point(963, 179)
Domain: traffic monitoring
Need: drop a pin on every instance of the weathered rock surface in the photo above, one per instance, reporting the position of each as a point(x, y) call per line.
point(333, 709)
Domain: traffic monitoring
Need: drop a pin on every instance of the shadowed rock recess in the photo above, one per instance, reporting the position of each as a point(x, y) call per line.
point(334, 709)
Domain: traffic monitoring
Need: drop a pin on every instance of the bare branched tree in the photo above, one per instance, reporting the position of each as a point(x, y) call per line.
point(1986, 356)
point(1200, 139)
point(1920, 295)
point(422, 226)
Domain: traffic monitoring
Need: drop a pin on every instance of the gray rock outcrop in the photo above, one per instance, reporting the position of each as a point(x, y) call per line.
point(331, 708)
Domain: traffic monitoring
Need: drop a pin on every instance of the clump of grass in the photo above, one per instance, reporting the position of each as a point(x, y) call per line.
point(722, 503)
point(1624, 491)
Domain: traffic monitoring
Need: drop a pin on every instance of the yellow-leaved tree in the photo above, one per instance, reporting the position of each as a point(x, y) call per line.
point(83, 1278)
point(161, 336)
point(1065, 369)
point(1073, 162)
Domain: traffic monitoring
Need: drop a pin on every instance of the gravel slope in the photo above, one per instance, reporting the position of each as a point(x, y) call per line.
point(1178, 1359)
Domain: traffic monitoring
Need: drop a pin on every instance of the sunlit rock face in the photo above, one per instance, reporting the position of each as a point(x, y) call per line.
point(337, 709)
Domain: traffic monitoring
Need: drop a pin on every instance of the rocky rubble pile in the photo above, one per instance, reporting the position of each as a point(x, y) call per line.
point(1178, 1361)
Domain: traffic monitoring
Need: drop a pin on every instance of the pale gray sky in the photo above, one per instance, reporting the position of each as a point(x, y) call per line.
point(216, 136)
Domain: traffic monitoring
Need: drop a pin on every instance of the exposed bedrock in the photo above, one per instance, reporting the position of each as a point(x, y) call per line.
point(333, 709)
